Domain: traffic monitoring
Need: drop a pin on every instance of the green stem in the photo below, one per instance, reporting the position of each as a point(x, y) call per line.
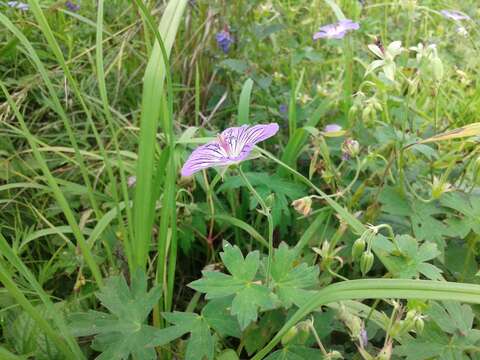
point(351, 220)
point(266, 212)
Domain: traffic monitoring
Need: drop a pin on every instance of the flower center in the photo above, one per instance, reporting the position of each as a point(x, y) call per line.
point(224, 145)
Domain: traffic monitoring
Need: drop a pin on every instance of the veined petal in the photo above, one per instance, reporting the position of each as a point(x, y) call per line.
point(237, 143)
point(205, 156)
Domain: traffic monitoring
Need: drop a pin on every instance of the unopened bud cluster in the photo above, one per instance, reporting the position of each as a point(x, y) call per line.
point(361, 249)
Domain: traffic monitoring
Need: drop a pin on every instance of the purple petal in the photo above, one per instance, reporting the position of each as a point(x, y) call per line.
point(237, 143)
point(332, 128)
point(205, 156)
point(348, 24)
point(454, 15)
point(18, 5)
point(337, 30)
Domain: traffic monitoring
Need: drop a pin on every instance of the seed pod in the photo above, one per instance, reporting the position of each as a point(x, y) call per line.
point(366, 262)
point(358, 248)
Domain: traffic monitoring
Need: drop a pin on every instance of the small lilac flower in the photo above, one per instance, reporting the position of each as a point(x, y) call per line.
point(363, 337)
point(232, 146)
point(350, 149)
point(72, 6)
point(131, 181)
point(332, 128)
point(224, 39)
point(283, 109)
point(18, 5)
point(337, 30)
point(454, 15)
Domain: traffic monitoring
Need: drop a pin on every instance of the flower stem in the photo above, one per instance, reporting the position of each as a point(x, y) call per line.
point(266, 212)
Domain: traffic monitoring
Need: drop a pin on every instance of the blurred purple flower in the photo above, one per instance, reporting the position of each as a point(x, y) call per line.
point(363, 338)
point(332, 128)
point(224, 39)
point(131, 181)
point(72, 6)
point(18, 5)
point(337, 30)
point(232, 146)
point(454, 15)
point(283, 109)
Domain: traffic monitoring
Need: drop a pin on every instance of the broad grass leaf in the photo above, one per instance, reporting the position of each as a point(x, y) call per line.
point(465, 131)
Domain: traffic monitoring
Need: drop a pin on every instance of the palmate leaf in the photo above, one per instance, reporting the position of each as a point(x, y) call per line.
point(409, 259)
point(123, 332)
point(468, 206)
point(449, 336)
point(290, 280)
point(248, 295)
point(421, 216)
point(200, 344)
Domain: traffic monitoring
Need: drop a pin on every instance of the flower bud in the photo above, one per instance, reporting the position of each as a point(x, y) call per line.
point(303, 332)
point(366, 262)
point(290, 335)
point(352, 322)
point(358, 248)
point(409, 322)
point(419, 324)
point(303, 205)
point(351, 148)
point(333, 355)
point(131, 181)
point(270, 200)
point(439, 187)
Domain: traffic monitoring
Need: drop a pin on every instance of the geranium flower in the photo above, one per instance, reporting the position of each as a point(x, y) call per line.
point(72, 6)
point(454, 15)
point(18, 5)
point(232, 146)
point(337, 30)
point(224, 39)
point(332, 128)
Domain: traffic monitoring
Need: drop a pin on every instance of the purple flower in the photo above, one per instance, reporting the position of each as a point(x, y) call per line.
point(72, 6)
point(232, 146)
point(283, 109)
point(131, 181)
point(332, 128)
point(337, 30)
point(363, 337)
point(224, 39)
point(454, 15)
point(18, 5)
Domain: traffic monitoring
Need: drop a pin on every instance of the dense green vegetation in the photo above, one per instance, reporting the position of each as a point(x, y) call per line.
point(350, 230)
